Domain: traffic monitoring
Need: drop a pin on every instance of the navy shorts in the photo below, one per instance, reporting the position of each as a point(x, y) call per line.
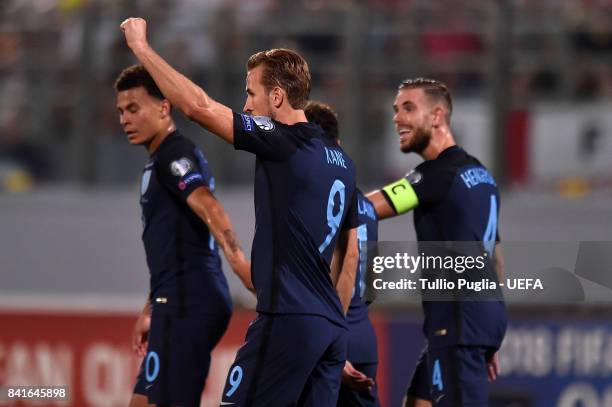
point(288, 360)
point(178, 357)
point(452, 376)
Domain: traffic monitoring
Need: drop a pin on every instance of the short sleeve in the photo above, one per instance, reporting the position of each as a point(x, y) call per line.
point(427, 184)
point(263, 137)
point(352, 220)
point(430, 182)
point(181, 168)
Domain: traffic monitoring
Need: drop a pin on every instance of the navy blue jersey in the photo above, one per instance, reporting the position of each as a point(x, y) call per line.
point(362, 346)
point(366, 232)
point(181, 253)
point(459, 201)
point(304, 191)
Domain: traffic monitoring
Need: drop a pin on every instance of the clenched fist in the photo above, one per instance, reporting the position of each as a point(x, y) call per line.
point(135, 30)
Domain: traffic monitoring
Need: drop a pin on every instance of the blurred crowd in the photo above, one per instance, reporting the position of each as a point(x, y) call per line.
point(59, 59)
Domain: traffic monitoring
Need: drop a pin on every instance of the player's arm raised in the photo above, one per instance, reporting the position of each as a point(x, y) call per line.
point(345, 262)
point(188, 97)
point(205, 205)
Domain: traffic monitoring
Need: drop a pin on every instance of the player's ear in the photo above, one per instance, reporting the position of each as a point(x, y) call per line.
point(277, 95)
point(438, 117)
point(165, 108)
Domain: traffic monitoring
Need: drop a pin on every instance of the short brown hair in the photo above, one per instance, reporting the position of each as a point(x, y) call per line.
point(434, 89)
point(322, 114)
point(135, 76)
point(286, 69)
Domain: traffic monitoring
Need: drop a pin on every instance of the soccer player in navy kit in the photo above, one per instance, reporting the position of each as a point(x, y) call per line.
point(189, 305)
point(304, 201)
point(454, 198)
point(359, 374)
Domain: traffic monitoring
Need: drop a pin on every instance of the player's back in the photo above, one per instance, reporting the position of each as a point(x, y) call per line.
point(362, 339)
point(464, 201)
point(459, 203)
point(304, 188)
point(366, 232)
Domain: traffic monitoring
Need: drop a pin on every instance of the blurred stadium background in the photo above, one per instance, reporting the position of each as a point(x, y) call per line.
point(532, 85)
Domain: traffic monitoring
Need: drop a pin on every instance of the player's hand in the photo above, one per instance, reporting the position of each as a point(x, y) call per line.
point(135, 30)
point(493, 367)
point(354, 379)
point(242, 269)
point(140, 334)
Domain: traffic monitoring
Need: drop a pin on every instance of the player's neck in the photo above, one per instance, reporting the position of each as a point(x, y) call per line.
point(160, 137)
point(290, 116)
point(440, 141)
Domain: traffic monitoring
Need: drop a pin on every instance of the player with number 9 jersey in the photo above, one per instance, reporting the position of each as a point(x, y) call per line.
point(304, 194)
point(304, 191)
point(359, 375)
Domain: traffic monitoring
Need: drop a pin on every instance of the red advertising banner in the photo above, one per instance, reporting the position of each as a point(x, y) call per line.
point(90, 354)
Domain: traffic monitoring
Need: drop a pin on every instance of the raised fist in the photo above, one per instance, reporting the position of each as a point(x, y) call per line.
point(135, 30)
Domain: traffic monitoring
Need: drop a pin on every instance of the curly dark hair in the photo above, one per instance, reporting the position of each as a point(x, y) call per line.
point(322, 114)
point(135, 76)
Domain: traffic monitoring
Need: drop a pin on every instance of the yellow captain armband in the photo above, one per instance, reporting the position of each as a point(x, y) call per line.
point(402, 196)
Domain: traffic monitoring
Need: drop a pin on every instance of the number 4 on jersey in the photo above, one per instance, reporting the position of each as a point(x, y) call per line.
point(491, 232)
point(436, 379)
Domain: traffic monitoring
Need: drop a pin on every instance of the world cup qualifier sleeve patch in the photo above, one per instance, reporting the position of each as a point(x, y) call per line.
point(179, 172)
point(264, 137)
point(264, 123)
point(181, 167)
